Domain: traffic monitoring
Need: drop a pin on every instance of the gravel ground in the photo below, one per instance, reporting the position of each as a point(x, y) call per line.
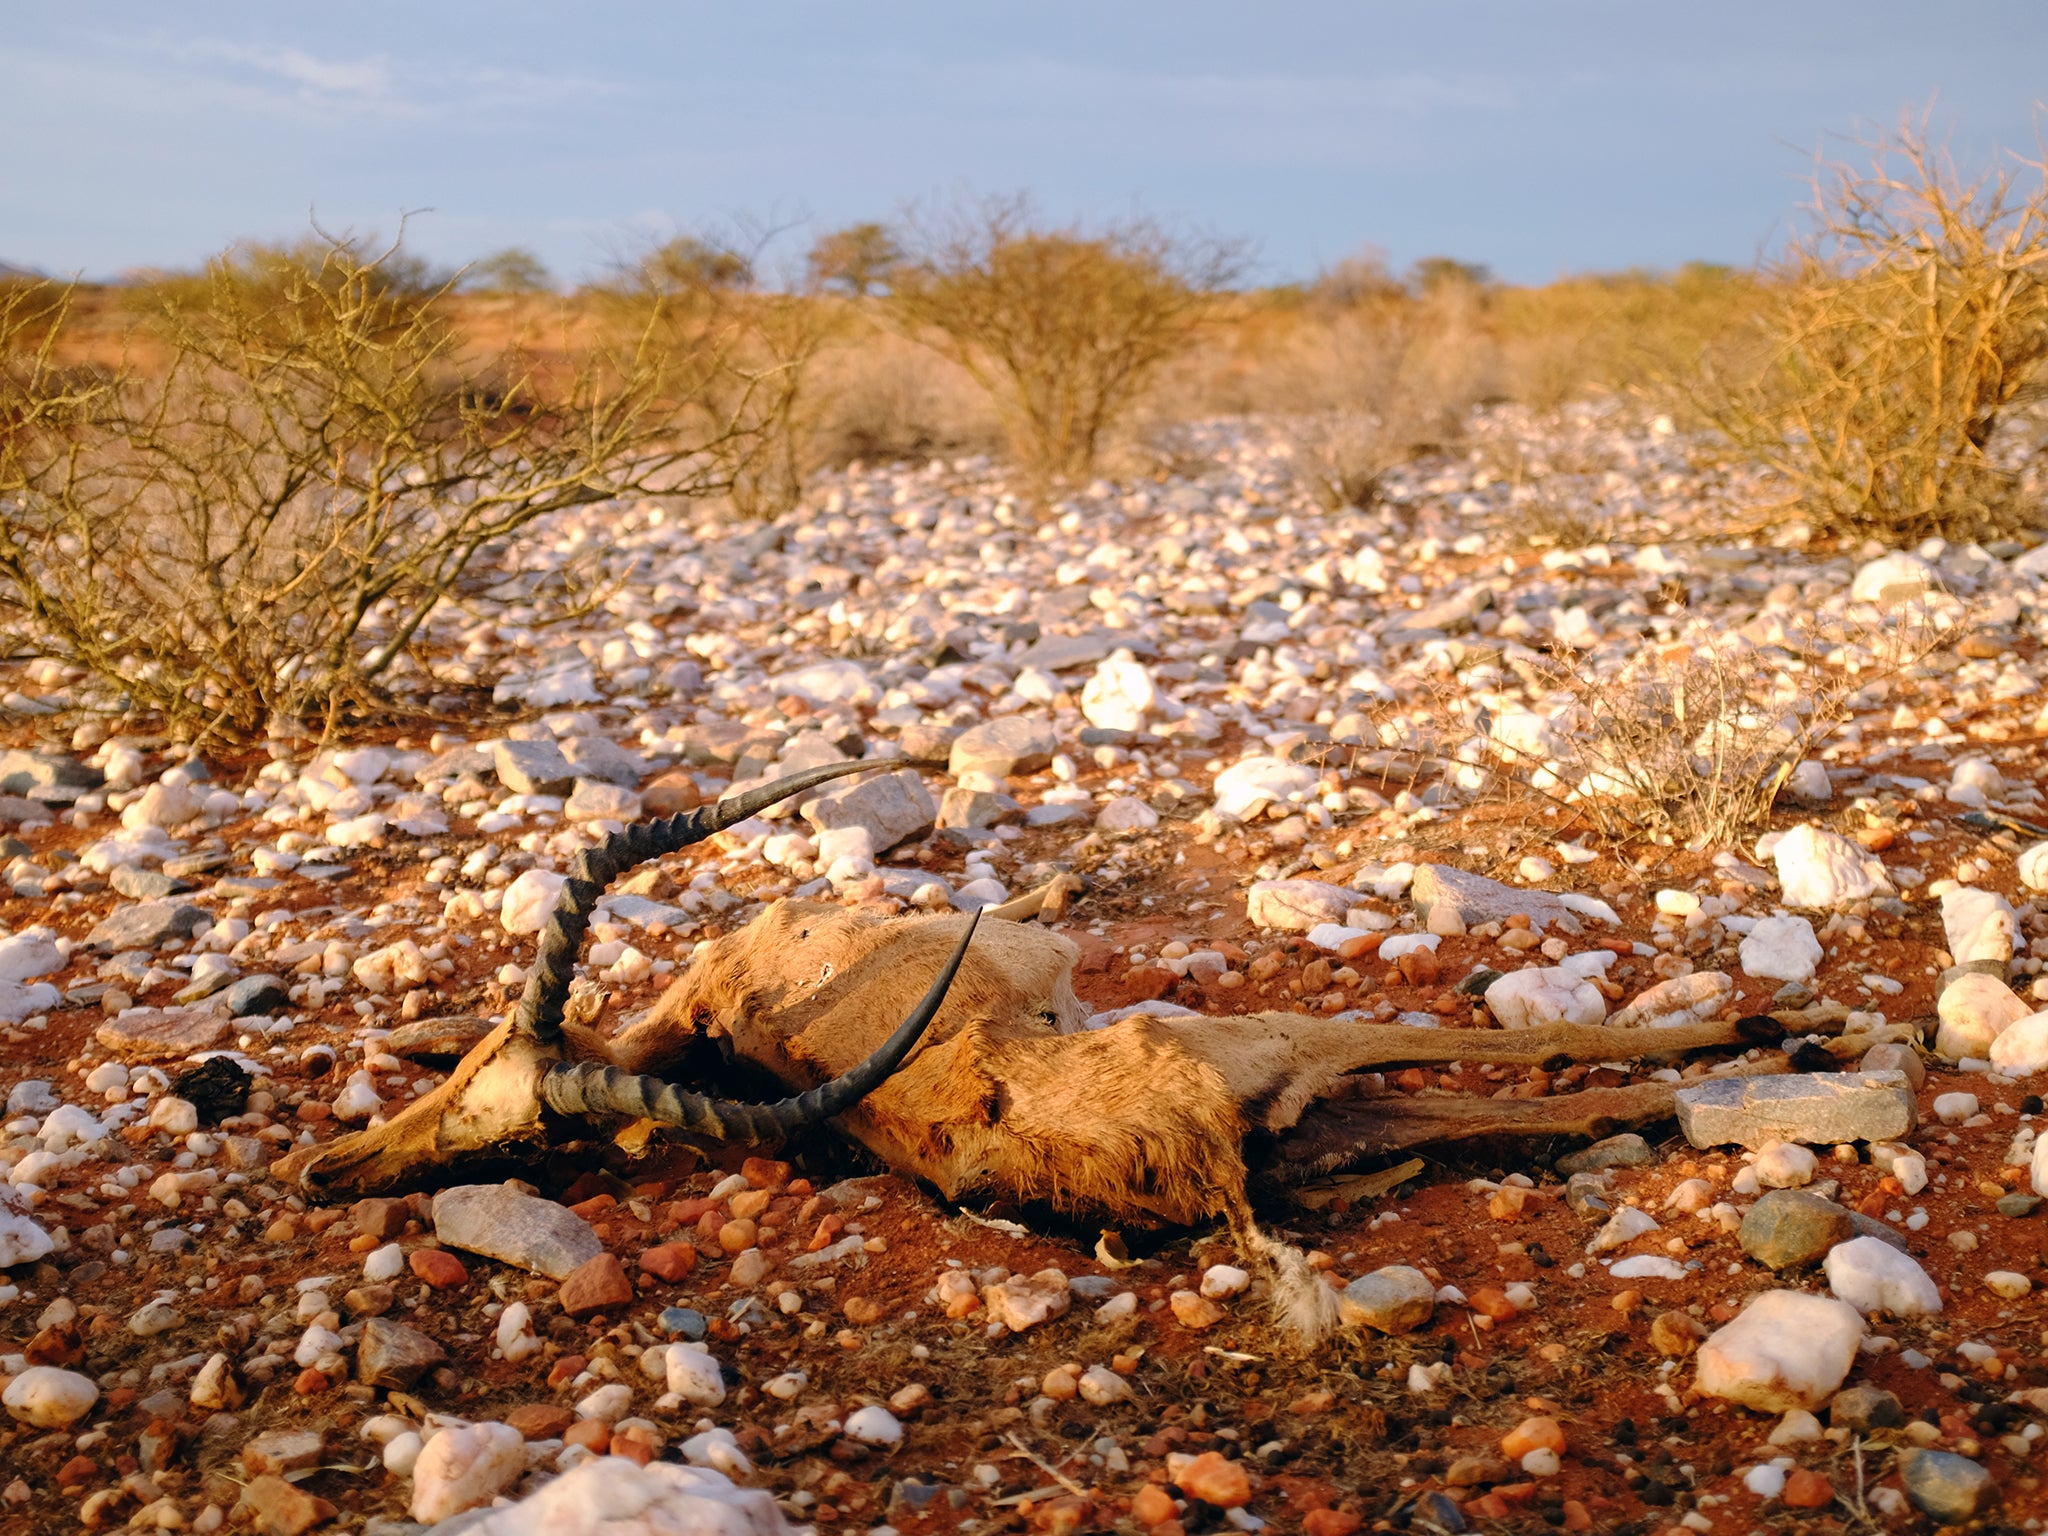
point(1259, 734)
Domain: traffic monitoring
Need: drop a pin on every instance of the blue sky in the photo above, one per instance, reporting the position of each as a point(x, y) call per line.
point(1538, 136)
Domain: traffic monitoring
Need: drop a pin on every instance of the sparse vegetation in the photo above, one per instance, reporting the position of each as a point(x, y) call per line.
point(859, 259)
point(260, 528)
point(1063, 327)
point(1900, 334)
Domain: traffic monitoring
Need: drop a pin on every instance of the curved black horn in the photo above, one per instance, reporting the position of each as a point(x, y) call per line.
point(561, 940)
point(588, 1088)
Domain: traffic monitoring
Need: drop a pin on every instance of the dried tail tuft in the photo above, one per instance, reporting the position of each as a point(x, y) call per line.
point(1302, 1305)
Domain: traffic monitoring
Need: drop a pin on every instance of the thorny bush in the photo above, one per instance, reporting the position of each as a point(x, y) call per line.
point(257, 526)
point(1900, 333)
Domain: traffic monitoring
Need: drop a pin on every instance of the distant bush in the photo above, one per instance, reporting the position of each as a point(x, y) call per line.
point(1064, 327)
point(1899, 334)
point(859, 259)
point(510, 271)
point(260, 527)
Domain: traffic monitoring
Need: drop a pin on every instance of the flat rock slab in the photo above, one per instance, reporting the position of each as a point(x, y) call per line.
point(21, 773)
point(643, 912)
point(533, 768)
point(156, 1034)
point(1818, 1107)
point(1060, 653)
point(517, 1229)
point(1298, 905)
point(147, 924)
point(1477, 899)
point(1011, 745)
point(895, 808)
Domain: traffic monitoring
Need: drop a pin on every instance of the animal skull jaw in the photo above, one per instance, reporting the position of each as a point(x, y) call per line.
point(491, 1104)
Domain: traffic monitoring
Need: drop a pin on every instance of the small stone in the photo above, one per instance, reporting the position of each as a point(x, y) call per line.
point(1818, 868)
point(390, 1354)
point(683, 1323)
point(1224, 1280)
point(1544, 995)
point(1477, 900)
point(1780, 949)
point(275, 1507)
point(1194, 1311)
point(1680, 1001)
point(465, 1466)
point(380, 1217)
point(541, 1421)
point(1677, 1334)
point(1215, 1480)
point(874, 1425)
point(1023, 1302)
point(148, 925)
point(529, 900)
point(279, 1451)
point(1874, 1277)
point(1120, 694)
point(2007, 1284)
point(157, 1034)
point(49, 1397)
point(594, 800)
point(1007, 748)
point(252, 995)
point(1806, 1489)
point(1393, 1299)
point(1627, 1150)
point(695, 1375)
point(669, 1261)
point(533, 768)
point(1785, 1165)
point(894, 808)
point(597, 1283)
point(1296, 906)
point(1246, 788)
point(1786, 1350)
point(1895, 1056)
point(1790, 1228)
point(1974, 1011)
point(1947, 1488)
point(438, 1267)
point(515, 1228)
point(1531, 1434)
point(671, 795)
point(1863, 1408)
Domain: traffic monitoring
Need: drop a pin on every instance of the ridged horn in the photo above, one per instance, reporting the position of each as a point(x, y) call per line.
point(589, 1088)
point(547, 985)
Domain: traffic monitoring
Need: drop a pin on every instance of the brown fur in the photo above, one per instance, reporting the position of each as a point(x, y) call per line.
point(1142, 1123)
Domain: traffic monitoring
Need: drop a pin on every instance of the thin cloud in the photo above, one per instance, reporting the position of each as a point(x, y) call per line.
point(372, 85)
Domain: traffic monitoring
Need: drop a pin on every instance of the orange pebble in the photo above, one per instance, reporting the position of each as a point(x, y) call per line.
point(1152, 1505)
point(1805, 1489)
point(1538, 1432)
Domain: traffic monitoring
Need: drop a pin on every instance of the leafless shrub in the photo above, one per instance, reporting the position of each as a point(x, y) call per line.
point(1691, 742)
point(1385, 378)
point(1903, 329)
point(259, 528)
point(1064, 328)
point(695, 300)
